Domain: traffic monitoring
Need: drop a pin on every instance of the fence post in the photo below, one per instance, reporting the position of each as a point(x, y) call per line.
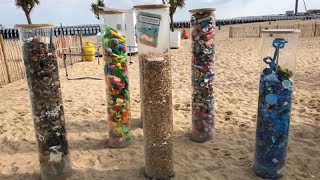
point(315, 29)
point(230, 32)
point(5, 58)
point(260, 28)
point(81, 44)
point(62, 41)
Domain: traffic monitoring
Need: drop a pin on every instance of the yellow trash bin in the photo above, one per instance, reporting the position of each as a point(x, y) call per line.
point(89, 50)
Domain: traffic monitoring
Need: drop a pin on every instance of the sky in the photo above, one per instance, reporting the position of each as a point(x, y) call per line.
point(77, 12)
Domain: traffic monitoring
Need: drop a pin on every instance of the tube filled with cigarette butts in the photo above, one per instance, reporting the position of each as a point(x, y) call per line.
point(156, 96)
point(41, 67)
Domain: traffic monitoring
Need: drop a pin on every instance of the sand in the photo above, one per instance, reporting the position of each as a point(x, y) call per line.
point(228, 156)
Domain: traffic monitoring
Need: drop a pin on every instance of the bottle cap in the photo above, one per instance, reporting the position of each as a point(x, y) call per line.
point(271, 99)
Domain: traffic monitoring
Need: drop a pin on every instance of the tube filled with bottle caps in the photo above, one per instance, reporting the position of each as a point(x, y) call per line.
point(278, 63)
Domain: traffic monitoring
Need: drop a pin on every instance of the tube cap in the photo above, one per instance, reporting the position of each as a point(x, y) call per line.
point(151, 6)
point(202, 10)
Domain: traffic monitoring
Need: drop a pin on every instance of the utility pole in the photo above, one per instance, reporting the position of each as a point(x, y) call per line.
point(296, 12)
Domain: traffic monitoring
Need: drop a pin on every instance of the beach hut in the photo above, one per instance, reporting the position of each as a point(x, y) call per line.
point(131, 22)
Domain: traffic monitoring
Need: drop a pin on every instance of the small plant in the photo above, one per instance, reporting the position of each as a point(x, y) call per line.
point(27, 6)
point(174, 4)
point(96, 7)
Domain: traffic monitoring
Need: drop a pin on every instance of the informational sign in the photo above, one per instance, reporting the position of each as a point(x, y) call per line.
point(148, 28)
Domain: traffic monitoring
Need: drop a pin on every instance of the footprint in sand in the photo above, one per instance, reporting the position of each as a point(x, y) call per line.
point(304, 135)
point(21, 113)
point(228, 113)
point(84, 110)
point(302, 110)
point(14, 169)
point(227, 118)
point(177, 106)
point(195, 156)
point(226, 153)
point(185, 115)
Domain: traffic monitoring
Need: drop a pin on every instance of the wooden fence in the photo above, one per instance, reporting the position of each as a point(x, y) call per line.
point(11, 61)
point(307, 29)
point(66, 45)
point(11, 64)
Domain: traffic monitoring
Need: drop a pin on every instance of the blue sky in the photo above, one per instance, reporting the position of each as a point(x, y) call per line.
point(74, 12)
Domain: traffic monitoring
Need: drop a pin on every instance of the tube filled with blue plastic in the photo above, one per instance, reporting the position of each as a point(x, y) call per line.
point(275, 99)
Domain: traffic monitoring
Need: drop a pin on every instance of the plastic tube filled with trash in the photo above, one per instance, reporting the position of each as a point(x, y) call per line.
point(156, 89)
point(203, 38)
point(278, 64)
point(116, 78)
point(42, 72)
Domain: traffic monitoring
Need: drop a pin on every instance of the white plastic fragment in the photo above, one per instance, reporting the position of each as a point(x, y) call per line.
point(275, 160)
point(55, 157)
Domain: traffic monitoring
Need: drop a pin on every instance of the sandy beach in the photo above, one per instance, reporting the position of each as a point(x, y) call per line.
point(229, 156)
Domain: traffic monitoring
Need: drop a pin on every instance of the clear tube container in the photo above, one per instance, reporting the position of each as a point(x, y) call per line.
point(203, 51)
point(116, 78)
point(42, 72)
point(113, 18)
point(155, 73)
point(278, 64)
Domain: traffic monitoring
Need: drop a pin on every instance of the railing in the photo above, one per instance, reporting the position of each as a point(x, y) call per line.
point(307, 29)
point(94, 29)
point(87, 30)
point(246, 20)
